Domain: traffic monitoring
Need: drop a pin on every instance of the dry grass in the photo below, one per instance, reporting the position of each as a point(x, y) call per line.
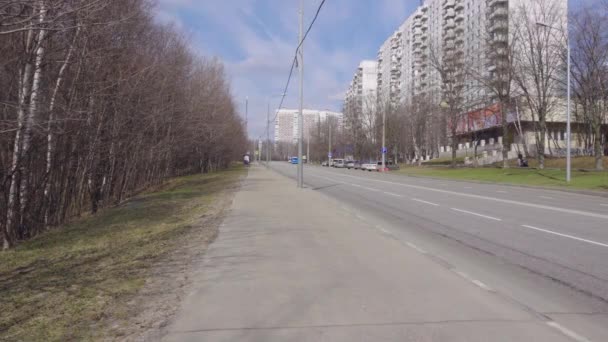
point(61, 285)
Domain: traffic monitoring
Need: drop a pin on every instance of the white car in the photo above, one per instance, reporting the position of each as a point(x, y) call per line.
point(339, 163)
point(370, 166)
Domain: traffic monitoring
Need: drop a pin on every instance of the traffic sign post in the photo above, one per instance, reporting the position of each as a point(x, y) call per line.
point(384, 150)
point(329, 155)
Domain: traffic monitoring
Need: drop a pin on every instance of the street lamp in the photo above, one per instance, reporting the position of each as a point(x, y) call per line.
point(268, 129)
point(568, 130)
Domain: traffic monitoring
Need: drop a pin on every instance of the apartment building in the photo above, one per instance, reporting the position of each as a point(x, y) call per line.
point(362, 95)
point(286, 123)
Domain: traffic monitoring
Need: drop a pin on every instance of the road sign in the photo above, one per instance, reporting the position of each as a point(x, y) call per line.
point(329, 155)
point(384, 150)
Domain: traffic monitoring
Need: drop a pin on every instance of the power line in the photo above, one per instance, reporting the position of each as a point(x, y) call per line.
point(295, 59)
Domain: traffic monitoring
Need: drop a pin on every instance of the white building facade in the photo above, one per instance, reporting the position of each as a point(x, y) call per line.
point(286, 123)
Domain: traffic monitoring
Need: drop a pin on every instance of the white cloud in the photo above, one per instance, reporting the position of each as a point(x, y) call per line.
point(264, 50)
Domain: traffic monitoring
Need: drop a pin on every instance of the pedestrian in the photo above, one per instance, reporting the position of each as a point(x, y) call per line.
point(246, 160)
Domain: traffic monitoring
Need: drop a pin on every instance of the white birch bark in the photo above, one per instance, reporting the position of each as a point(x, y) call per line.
point(24, 90)
point(49, 136)
point(33, 106)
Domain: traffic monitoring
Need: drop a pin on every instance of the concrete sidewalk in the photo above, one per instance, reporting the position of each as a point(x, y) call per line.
point(292, 265)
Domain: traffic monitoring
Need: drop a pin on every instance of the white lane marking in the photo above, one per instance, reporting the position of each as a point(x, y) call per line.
point(392, 194)
point(476, 214)
point(425, 202)
point(383, 230)
point(567, 332)
point(420, 250)
point(472, 280)
point(524, 204)
point(547, 197)
point(467, 187)
point(604, 205)
point(502, 192)
point(566, 236)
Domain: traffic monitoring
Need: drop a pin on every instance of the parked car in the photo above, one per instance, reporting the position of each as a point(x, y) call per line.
point(351, 164)
point(357, 165)
point(339, 163)
point(325, 163)
point(370, 166)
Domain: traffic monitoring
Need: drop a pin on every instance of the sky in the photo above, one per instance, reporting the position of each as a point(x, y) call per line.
point(256, 40)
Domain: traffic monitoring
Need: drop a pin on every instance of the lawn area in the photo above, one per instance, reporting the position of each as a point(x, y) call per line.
point(546, 178)
point(62, 285)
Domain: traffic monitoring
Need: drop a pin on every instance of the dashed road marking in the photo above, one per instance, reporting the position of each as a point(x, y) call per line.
point(476, 214)
point(546, 197)
point(567, 332)
point(392, 194)
point(566, 236)
point(472, 280)
point(502, 192)
point(425, 202)
point(420, 250)
point(494, 199)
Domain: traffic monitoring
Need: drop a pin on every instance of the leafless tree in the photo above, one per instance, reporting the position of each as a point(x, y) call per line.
point(539, 67)
point(589, 43)
point(452, 73)
point(97, 102)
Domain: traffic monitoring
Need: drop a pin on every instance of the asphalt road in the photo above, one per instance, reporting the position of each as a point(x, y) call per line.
point(545, 249)
point(295, 265)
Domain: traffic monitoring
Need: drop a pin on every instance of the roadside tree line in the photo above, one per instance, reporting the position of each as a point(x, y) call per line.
point(99, 101)
point(528, 76)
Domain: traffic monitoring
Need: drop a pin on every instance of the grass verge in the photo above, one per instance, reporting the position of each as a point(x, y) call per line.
point(62, 284)
point(546, 178)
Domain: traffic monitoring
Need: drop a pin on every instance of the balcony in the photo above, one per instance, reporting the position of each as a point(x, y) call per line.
point(493, 3)
point(499, 13)
point(459, 16)
point(499, 26)
point(449, 14)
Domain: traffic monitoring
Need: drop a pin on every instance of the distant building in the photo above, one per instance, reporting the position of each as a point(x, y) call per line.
point(286, 124)
point(362, 96)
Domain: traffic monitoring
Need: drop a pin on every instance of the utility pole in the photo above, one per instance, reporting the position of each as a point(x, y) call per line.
point(267, 136)
point(568, 129)
point(384, 140)
point(329, 155)
point(301, 114)
point(246, 123)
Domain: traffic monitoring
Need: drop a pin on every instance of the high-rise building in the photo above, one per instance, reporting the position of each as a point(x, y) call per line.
point(361, 98)
point(466, 36)
point(286, 124)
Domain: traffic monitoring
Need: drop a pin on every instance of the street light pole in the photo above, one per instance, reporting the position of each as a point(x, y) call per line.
point(568, 114)
point(383, 140)
point(568, 129)
point(301, 114)
point(267, 136)
point(329, 156)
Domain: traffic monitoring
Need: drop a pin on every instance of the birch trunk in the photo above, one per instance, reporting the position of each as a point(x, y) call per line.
point(30, 119)
point(24, 90)
point(49, 137)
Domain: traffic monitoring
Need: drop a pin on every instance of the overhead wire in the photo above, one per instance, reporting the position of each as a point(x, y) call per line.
point(295, 60)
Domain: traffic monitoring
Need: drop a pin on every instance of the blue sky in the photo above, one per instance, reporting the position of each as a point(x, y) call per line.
point(256, 41)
